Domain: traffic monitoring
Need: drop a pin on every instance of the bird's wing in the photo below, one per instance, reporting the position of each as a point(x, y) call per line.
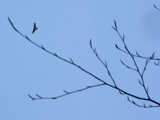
point(33, 30)
point(34, 25)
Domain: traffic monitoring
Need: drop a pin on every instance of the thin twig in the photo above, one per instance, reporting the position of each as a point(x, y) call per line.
point(66, 93)
point(128, 66)
point(156, 7)
point(142, 106)
point(103, 63)
point(137, 54)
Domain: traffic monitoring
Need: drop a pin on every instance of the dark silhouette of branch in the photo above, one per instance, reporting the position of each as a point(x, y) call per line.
point(147, 60)
point(143, 105)
point(38, 97)
point(137, 55)
point(104, 63)
point(127, 66)
point(134, 61)
point(156, 7)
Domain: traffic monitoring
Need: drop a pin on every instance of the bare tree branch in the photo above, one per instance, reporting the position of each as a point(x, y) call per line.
point(137, 55)
point(66, 93)
point(128, 66)
point(134, 61)
point(102, 82)
point(54, 54)
point(103, 63)
point(127, 51)
point(143, 105)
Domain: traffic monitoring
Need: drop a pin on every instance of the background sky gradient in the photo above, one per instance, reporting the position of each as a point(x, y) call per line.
point(65, 27)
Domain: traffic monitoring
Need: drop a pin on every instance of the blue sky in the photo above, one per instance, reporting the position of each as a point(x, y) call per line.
point(65, 27)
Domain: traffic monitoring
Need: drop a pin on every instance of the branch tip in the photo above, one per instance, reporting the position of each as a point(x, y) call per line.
point(31, 97)
point(128, 99)
point(138, 54)
point(153, 55)
point(39, 96)
point(65, 91)
point(71, 60)
point(117, 46)
point(140, 82)
point(42, 47)
point(115, 24)
point(122, 93)
point(123, 37)
point(90, 42)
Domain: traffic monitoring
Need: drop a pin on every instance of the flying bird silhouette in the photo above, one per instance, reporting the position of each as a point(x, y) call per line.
point(34, 28)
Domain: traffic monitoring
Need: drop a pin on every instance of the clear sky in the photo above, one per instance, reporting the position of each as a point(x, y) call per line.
point(65, 27)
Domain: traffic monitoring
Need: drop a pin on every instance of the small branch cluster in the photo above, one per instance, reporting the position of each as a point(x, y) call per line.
point(136, 67)
point(103, 63)
point(102, 82)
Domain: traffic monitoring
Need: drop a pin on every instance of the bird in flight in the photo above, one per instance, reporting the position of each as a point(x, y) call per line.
point(34, 28)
